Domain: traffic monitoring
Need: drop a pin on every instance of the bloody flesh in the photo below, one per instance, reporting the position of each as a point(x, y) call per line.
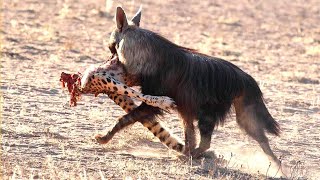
point(73, 82)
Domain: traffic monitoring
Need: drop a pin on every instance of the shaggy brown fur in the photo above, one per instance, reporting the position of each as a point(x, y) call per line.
point(203, 87)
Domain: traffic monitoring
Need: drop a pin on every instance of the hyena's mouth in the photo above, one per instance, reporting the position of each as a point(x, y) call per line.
point(112, 48)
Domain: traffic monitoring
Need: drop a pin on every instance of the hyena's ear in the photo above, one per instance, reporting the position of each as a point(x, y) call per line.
point(121, 19)
point(136, 18)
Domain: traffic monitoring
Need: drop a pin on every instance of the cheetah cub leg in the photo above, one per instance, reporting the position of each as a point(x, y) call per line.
point(154, 126)
point(108, 82)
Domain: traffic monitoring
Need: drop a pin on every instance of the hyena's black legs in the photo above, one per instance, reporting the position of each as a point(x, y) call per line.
point(206, 126)
point(189, 133)
point(209, 116)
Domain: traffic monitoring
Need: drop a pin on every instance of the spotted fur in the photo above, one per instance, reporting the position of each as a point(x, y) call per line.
point(112, 79)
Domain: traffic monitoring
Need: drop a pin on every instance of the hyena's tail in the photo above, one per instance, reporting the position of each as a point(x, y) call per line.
point(164, 135)
point(253, 116)
point(250, 107)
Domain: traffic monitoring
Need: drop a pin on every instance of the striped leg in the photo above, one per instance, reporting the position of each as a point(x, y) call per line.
point(127, 104)
point(164, 135)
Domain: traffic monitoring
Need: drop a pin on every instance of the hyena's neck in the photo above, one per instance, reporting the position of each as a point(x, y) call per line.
point(146, 53)
point(137, 63)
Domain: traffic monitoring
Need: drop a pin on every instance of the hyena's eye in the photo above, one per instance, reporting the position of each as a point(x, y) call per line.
point(112, 48)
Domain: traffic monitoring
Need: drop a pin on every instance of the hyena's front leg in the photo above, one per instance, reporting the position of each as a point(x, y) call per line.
point(189, 132)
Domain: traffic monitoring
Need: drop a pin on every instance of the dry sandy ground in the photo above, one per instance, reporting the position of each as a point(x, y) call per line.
point(277, 42)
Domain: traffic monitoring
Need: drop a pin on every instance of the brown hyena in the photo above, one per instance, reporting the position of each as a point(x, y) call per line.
point(203, 87)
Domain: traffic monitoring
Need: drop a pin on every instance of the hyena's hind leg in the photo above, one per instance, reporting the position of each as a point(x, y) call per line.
point(254, 118)
point(127, 104)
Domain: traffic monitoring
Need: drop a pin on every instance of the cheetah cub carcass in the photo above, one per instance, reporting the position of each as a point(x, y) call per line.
point(111, 78)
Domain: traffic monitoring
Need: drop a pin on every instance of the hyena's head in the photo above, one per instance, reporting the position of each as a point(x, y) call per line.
point(123, 26)
point(136, 47)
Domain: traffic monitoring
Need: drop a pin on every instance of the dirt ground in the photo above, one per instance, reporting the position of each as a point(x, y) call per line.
point(277, 42)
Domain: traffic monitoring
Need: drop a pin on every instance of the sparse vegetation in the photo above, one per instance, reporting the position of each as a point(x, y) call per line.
point(43, 138)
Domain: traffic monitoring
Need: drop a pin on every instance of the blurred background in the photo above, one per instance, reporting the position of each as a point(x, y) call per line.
point(277, 42)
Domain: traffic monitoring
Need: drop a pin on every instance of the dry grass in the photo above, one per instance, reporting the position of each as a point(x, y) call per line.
point(42, 138)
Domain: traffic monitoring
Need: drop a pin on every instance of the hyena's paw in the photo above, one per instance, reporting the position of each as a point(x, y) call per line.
point(102, 139)
point(197, 153)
